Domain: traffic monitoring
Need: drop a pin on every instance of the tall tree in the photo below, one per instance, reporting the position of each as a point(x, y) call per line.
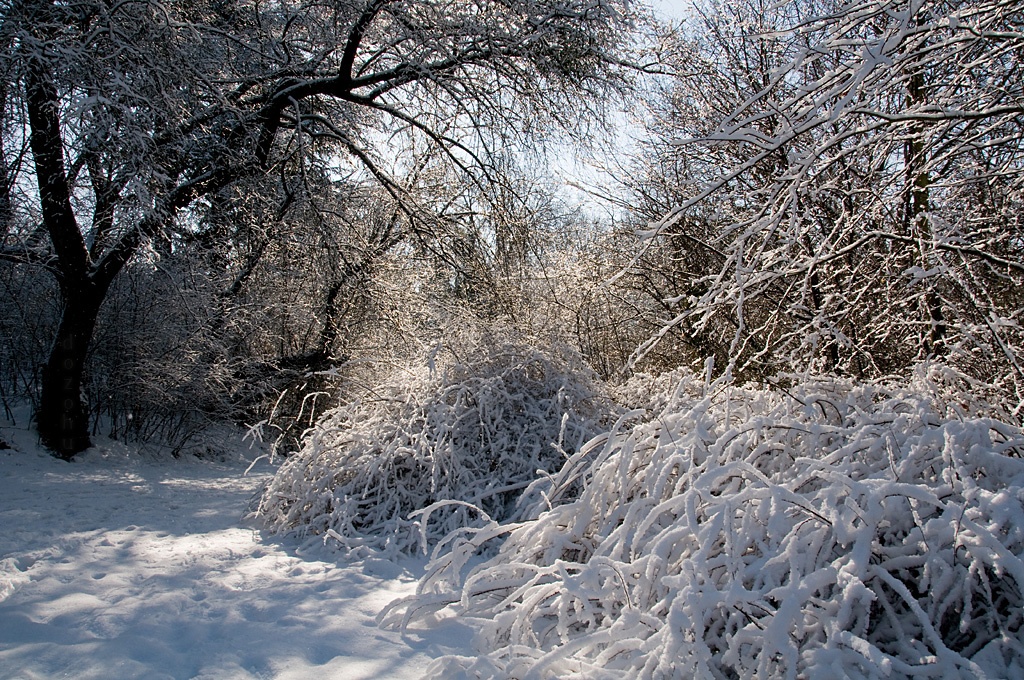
point(137, 112)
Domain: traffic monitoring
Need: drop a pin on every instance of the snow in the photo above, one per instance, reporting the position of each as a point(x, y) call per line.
point(119, 565)
point(829, 529)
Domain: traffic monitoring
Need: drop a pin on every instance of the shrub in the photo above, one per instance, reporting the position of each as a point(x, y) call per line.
point(469, 433)
point(829, 530)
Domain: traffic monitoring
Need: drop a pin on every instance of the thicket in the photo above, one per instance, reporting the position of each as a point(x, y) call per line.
point(833, 528)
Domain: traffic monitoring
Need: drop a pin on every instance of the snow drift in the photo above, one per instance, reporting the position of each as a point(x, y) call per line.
point(826, 530)
point(470, 433)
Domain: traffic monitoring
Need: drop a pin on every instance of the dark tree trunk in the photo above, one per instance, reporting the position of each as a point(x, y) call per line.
point(919, 186)
point(62, 419)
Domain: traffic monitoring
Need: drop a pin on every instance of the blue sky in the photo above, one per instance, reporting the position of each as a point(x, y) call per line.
point(672, 9)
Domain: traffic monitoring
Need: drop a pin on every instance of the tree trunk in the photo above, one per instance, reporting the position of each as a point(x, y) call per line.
point(62, 418)
point(918, 189)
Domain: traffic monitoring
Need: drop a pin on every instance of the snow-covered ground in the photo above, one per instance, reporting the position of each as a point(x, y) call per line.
point(119, 566)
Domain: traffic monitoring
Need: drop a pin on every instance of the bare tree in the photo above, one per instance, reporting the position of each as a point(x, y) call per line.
point(138, 113)
point(866, 213)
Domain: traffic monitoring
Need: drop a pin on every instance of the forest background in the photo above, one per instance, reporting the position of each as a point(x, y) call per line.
point(207, 207)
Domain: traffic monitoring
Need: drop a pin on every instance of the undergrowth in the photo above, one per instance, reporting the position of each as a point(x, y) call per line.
point(826, 529)
point(468, 427)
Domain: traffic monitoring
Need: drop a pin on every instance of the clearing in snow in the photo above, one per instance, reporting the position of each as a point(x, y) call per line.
point(119, 566)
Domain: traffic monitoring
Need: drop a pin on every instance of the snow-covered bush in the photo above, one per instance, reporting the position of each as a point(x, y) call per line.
point(471, 432)
point(825, 530)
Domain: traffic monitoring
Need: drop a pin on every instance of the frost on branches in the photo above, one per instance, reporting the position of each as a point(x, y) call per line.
point(838, 155)
point(827, 530)
point(467, 434)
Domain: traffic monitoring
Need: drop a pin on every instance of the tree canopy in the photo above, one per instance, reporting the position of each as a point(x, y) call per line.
point(135, 116)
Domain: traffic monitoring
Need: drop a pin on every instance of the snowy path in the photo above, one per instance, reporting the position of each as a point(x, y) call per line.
point(113, 567)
